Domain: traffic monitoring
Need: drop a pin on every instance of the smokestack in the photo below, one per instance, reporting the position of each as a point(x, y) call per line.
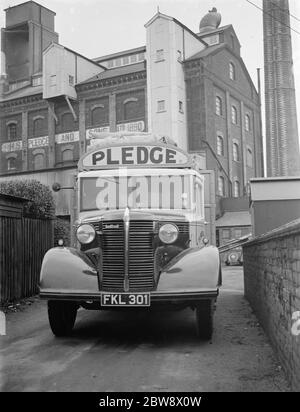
point(282, 144)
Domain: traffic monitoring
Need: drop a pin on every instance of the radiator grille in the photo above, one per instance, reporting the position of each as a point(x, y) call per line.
point(113, 256)
point(140, 257)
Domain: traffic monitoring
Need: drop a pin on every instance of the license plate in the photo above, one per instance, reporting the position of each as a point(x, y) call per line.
point(125, 299)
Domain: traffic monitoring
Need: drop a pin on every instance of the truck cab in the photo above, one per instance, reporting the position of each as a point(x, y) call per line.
point(141, 236)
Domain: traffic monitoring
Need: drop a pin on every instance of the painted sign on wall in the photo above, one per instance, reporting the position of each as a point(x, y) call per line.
point(38, 142)
point(70, 137)
point(12, 146)
point(123, 127)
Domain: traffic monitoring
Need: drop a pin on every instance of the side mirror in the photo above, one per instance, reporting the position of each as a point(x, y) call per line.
point(56, 187)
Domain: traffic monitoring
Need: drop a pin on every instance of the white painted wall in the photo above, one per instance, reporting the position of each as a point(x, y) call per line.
point(165, 79)
point(62, 63)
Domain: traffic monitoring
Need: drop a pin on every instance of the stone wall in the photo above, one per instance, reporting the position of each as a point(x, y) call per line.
point(272, 286)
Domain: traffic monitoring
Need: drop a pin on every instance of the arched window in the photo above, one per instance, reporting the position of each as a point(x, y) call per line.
point(67, 122)
point(38, 161)
point(231, 71)
point(220, 146)
point(67, 155)
point(221, 186)
point(247, 122)
point(232, 41)
point(249, 158)
point(98, 116)
point(233, 115)
point(11, 163)
point(235, 152)
point(219, 106)
point(38, 126)
point(130, 108)
point(236, 188)
point(12, 131)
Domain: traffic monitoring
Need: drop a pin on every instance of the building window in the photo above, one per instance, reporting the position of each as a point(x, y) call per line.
point(247, 122)
point(133, 58)
point(219, 108)
point(118, 62)
point(249, 158)
point(110, 64)
point(226, 234)
point(180, 106)
point(159, 55)
point(11, 163)
point(130, 108)
point(237, 233)
point(38, 161)
point(179, 56)
point(232, 41)
point(220, 146)
point(126, 60)
point(39, 127)
point(67, 155)
point(53, 80)
point(141, 57)
point(231, 71)
point(221, 186)
point(236, 189)
point(67, 122)
point(233, 115)
point(98, 115)
point(71, 80)
point(12, 131)
point(161, 106)
point(235, 152)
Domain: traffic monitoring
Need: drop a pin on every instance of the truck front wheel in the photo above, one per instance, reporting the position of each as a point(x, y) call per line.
point(204, 320)
point(62, 316)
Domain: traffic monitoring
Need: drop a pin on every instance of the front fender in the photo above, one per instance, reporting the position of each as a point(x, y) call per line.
point(66, 270)
point(193, 269)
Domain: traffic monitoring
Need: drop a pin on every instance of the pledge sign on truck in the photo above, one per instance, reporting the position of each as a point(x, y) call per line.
point(131, 155)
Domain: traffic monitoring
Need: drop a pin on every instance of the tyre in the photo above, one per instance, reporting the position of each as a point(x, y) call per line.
point(204, 320)
point(62, 316)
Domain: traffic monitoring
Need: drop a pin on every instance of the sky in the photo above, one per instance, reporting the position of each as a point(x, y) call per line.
point(98, 27)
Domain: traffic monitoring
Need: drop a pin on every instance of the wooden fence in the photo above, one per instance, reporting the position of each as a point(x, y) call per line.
point(23, 243)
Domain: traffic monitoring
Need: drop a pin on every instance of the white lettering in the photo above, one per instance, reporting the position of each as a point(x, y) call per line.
point(12, 146)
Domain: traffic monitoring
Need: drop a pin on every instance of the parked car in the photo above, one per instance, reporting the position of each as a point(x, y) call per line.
point(234, 257)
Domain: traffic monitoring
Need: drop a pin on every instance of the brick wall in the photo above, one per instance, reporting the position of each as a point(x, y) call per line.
point(272, 286)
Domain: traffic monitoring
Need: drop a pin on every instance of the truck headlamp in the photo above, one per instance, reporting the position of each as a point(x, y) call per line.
point(85, 234)
point(168, 233)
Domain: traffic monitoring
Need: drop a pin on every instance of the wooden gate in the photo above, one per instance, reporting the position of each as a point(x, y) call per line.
point(23, 243)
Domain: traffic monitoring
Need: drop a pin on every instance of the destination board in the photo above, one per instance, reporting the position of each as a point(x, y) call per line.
point(134, 156)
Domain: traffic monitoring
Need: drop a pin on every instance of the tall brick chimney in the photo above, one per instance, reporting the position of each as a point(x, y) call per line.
point(283, 157)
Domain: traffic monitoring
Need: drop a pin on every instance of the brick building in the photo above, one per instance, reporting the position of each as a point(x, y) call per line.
point(193, 87)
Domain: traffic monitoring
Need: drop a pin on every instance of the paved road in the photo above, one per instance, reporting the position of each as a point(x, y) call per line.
point(111, 351)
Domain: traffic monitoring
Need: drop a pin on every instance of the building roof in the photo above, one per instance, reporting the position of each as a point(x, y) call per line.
point(25, 2)
point(23, 92)
point(207, 51)
point(119, 54)
point(213, 31)
point(164, 16)
point(117, 71)
point(234, 219)
point(218, 30)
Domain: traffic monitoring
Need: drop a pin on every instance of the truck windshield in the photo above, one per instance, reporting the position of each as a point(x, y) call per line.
point(136, 192)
